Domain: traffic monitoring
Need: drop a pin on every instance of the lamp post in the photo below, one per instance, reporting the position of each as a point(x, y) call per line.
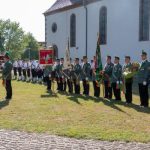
point(86, 26)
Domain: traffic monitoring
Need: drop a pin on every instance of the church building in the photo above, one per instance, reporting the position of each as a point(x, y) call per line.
point(123, 25)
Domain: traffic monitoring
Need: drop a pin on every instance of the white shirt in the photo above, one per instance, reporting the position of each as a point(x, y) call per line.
point(33, 65)
point(93, 65)
point(20, 63)
point(24, 65)
point(15, 64)
point(28, 64)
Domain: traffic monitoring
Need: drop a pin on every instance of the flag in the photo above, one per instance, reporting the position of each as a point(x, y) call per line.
point(98, 64)
point(67, 63)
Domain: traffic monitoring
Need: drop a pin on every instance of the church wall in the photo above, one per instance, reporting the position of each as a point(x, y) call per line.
point(122, 30)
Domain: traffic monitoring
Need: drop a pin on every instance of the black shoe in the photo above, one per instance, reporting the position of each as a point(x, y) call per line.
point(7, 98)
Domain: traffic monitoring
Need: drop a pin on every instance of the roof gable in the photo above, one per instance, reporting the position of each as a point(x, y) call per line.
point(62, 5)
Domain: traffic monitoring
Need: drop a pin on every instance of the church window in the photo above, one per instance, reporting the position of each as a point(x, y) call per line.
point(73, 30)
point(144, 23)
point(103, 25)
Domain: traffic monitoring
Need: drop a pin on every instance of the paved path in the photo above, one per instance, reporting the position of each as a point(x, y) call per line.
point(14, 140)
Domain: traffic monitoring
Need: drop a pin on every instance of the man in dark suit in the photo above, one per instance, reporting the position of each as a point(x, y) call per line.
point(6, 76)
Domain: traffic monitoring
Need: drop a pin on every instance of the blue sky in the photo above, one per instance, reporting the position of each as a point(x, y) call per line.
point(29, 13)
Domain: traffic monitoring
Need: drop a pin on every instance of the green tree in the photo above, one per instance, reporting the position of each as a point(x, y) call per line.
point(30, 46)
point(11, 37)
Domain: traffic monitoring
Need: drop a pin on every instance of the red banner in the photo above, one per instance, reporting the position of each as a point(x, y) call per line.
point(46, 57)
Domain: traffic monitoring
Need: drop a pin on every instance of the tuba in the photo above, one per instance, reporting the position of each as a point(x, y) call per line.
point(130, 73)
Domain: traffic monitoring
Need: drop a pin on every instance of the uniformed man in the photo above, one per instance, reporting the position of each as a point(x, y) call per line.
point(117, 79)
point(86, 76)
point(149, 74)
point(6, 76)
point(15, 68)
point(33, 70)
point(39, 73)
point(96, 85)
point(108, 68)
point(57, 74)
point(77, 76)
point(20, 69)
point(142, 75)
point(28, 71)
point(48, 77)
point(128, 82)
point(63, 79)
point(24, 70)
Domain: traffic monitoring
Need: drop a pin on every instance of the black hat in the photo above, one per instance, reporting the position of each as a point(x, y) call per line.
point(77, 59)
point(61, 58)
point(144, 53)
point(108, 56)
point(128, 57)
point(58, 59)
point(84, 57)
point(116, 57)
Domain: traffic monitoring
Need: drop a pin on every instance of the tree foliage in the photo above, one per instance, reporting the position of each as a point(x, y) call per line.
point(30, 47)
point(14, 39)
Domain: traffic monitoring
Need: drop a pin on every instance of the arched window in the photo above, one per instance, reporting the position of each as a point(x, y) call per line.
point(103, 25)
point(55, 51)
point(73, 30)
point(144, 20)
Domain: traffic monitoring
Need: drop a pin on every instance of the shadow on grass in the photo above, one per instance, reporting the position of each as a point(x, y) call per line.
point(110, 103)
point(134, 106)
point(4, 104)
point(76, 97)
point(49, 95)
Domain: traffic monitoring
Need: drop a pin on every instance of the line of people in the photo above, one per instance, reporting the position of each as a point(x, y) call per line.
point(112, 73)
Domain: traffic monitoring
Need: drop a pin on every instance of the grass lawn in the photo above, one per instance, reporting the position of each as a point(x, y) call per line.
point(33, 110)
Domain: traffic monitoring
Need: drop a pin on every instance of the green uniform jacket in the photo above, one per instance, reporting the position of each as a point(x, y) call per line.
point(47, 71)
point(77, 72)
point(58, 70)
point(6, 74)
point(108, 71)
point(149, 73)
point(126, 68)
point(117, 73)
point(143, 73)
point(86, 71)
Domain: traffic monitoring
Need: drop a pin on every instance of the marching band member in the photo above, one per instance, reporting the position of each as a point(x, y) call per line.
point(77, 76)
point(15, 68)
point(82, 63)
point(24, 70)
point(33, 70)
point(96, 85)
point(48, 77)
point(86, 76)
point(108, 68)
point(6, 76)
point(57, 71)
point(40, 72)
point(128, 82)
point(20, 69)
point(117, 79)
point(142, 75)
point(28, 71)
point(63, 83)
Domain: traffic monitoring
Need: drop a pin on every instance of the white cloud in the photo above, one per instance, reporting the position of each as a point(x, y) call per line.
point(29, 13)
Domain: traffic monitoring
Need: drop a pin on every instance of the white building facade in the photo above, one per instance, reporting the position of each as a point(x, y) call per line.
point(124, 27)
